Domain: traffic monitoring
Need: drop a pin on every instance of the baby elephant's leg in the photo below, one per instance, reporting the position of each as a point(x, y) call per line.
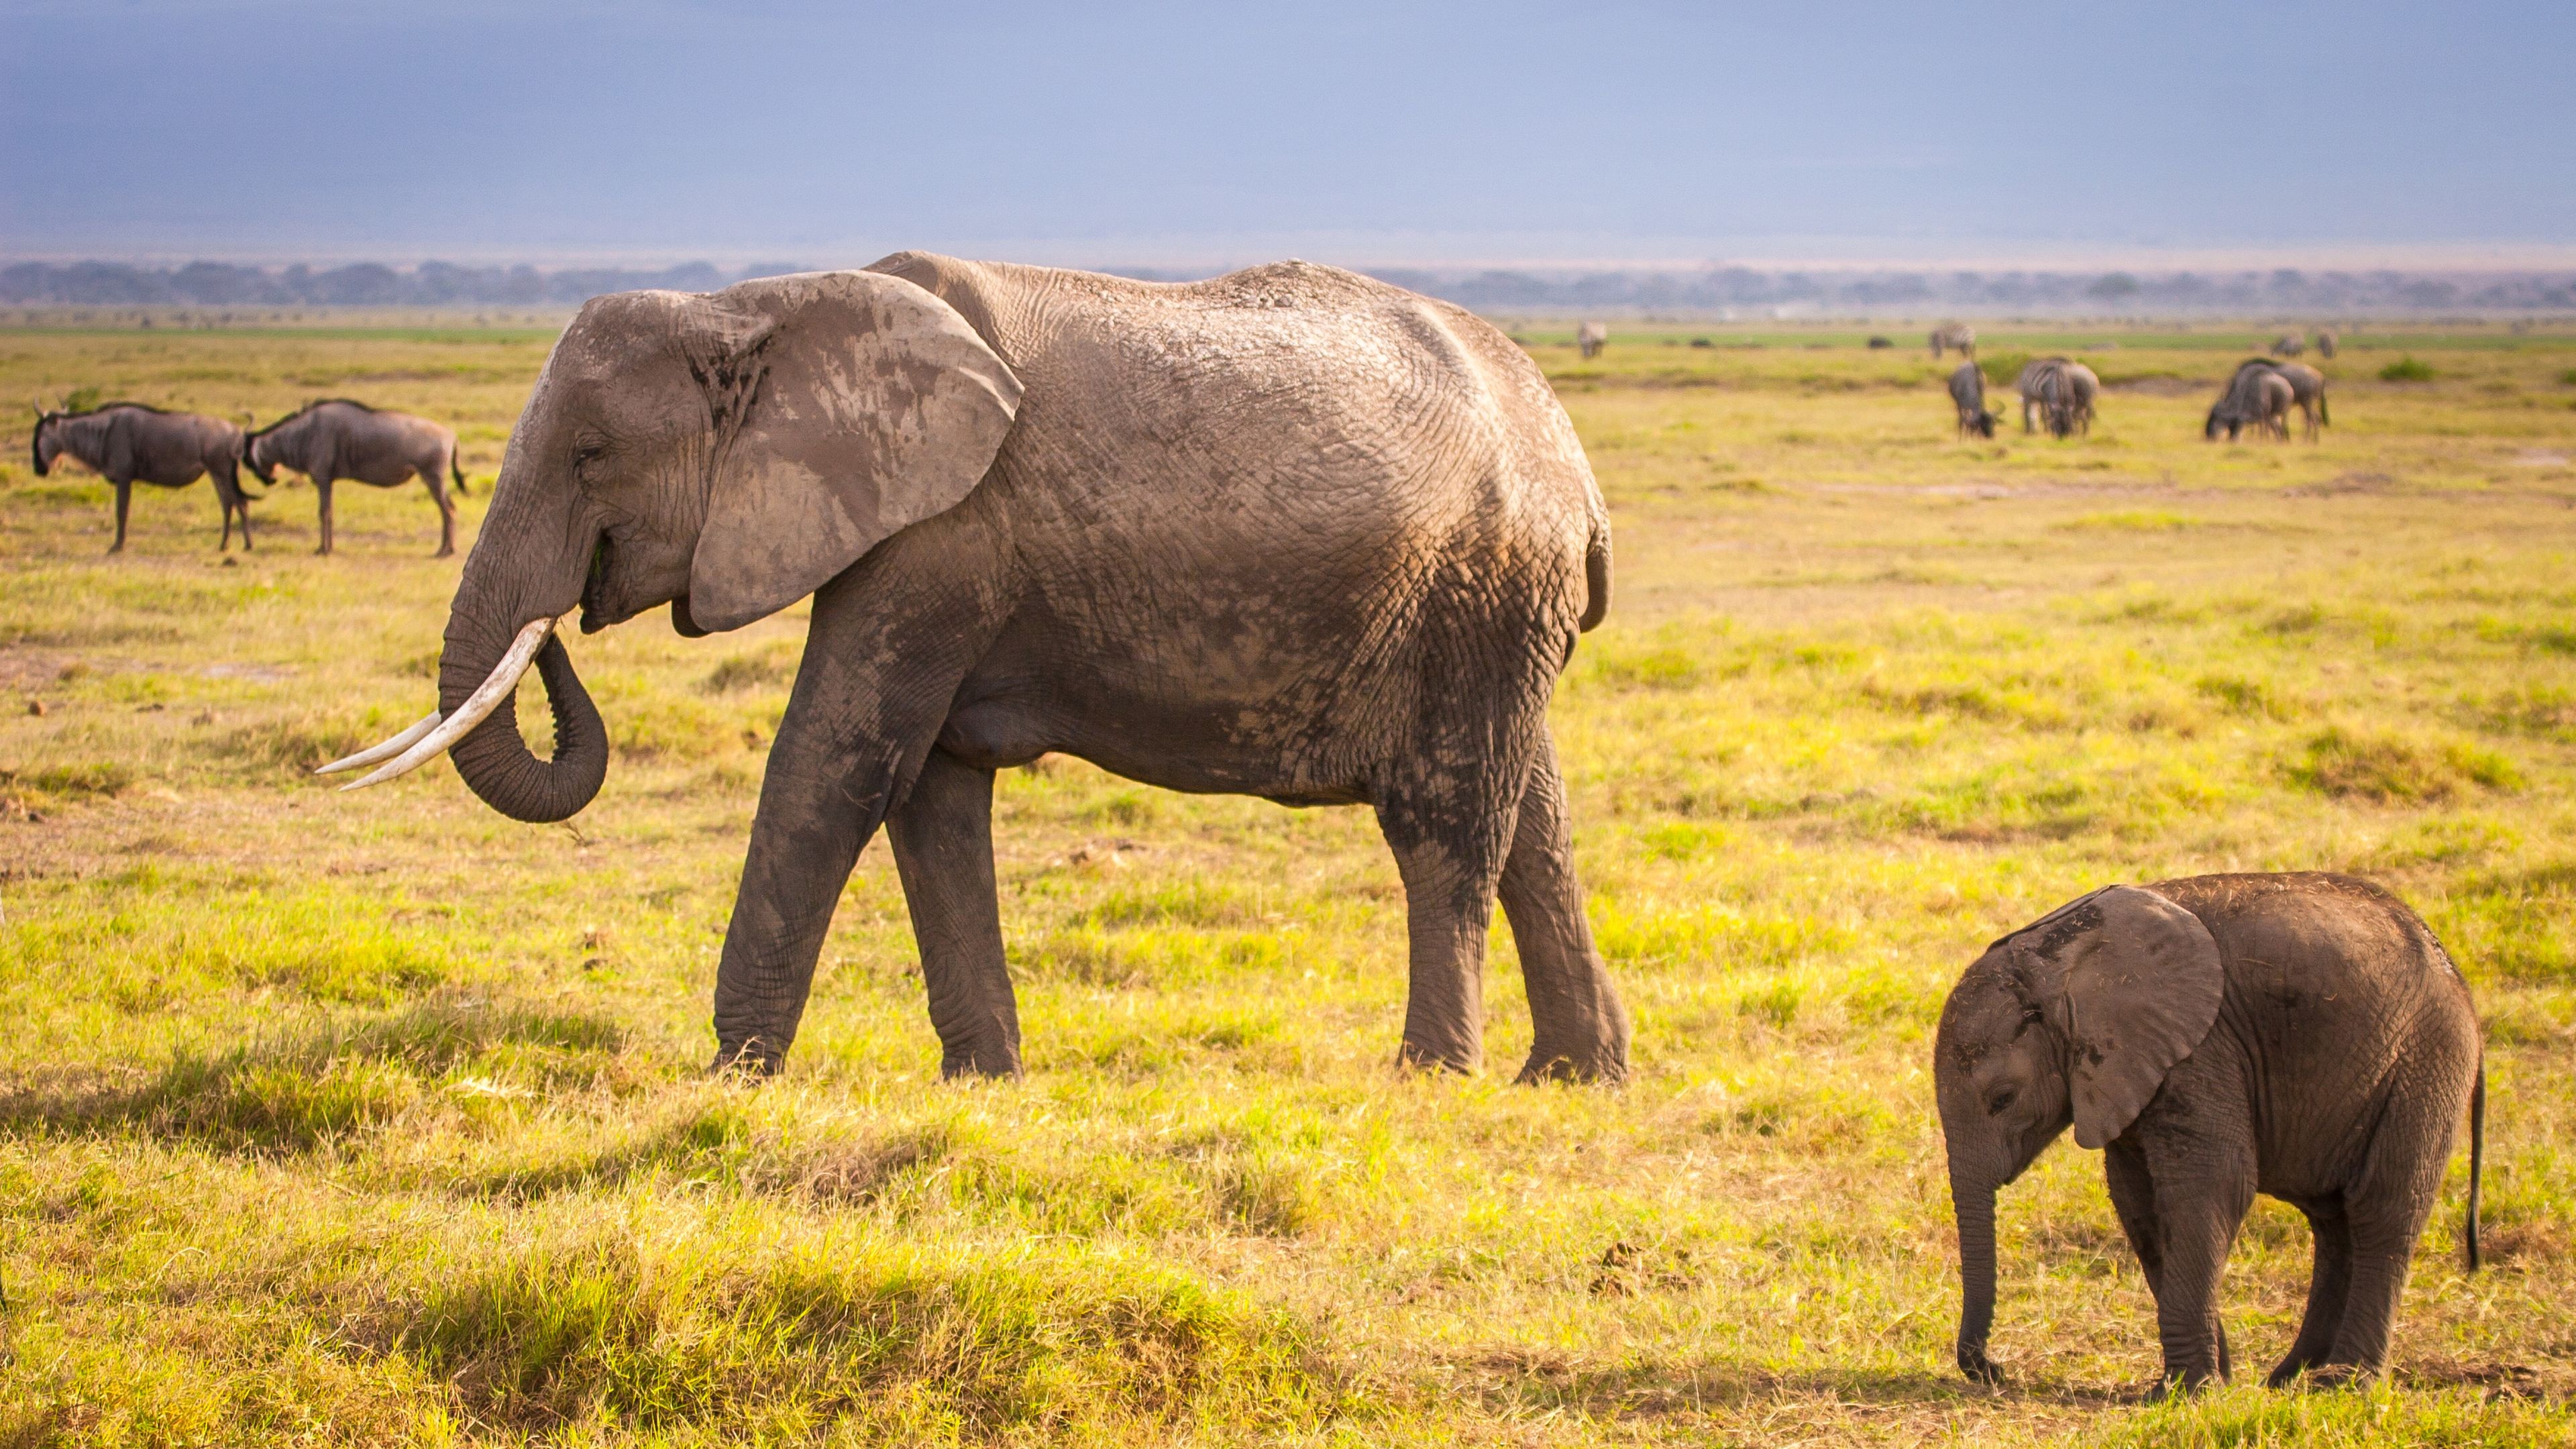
point(2386, 1206)
point(2328, 1284)
point(2201, 1193)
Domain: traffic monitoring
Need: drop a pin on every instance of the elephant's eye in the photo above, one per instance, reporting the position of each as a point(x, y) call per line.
point(2000, 1101)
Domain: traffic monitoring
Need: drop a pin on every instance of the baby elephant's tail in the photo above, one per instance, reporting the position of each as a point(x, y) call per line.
point(2477, 1157)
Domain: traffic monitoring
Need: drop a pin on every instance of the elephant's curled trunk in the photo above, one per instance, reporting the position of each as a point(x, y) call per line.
point(497, 764)
point(1975, 1204)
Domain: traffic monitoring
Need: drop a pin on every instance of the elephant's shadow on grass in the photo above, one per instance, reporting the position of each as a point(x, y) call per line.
point(294, 1094)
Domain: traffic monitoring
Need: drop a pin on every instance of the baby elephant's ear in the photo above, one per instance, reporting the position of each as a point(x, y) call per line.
point(857, 404)
point(2141, 991)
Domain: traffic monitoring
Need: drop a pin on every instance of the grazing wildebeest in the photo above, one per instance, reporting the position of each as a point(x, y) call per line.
point(336, 438)
point(2063, 390)
point(1591, 337)
point(2257, 396)
point(2288, 344)
point(2325, 343)
point(1968, 394)
point(129, 443)
point(1954, 334)
point(1880, 344)
point(2308, 389)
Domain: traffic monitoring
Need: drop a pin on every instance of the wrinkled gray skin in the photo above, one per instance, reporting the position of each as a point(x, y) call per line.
point(2300, 1035)
point(1958, 336)
point(1289, 532)
point(1968, 395)
point(1591, 337)
point(337, 439)
point(2260, 396)
point(129, 443)
point(2062, 391)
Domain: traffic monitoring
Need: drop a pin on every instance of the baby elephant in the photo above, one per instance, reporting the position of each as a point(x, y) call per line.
point(2302, 1035)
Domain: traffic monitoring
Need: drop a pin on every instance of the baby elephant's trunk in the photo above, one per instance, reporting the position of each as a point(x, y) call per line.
point(1975, 1205)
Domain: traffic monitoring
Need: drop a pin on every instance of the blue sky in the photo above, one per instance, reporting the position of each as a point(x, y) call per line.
point(1362, 132)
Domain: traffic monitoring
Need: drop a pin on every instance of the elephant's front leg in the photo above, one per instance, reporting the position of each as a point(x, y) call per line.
point(1578, 1028)
point(2200, 1200)
point(943, 847)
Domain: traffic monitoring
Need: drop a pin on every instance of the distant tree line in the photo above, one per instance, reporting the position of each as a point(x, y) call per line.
point(1708, 289)
point(363, 284)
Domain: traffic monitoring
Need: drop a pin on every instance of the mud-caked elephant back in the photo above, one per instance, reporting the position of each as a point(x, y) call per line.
point(2133, 981)
point(850, 405)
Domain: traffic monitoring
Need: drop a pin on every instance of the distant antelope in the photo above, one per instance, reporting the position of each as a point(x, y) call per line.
point(336, 439)
point(2288, 344)
point(1954, 334)
point(2062, 390)
point(1591, 337)
point(2258, 396)
point(129, 443)
point(1968, 395)
point(2325, 343)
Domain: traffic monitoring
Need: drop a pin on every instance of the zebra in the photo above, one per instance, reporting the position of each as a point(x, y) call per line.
point(1590, 338)
point(129, 443)
point(2258, 396)
point(2063, 390)
point(1968, 395)
point(1957, 335)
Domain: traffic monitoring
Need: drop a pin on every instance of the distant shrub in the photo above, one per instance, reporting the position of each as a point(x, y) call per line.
point(2003, 367)
point(1652, 669)
point(2567, 378)
point(73, 781)
point(760, 670)
point(2406, 369)
point(2133, 520)
point(2391, 767)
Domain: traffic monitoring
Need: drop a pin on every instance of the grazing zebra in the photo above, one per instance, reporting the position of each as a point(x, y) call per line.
point(2325, 342)
point(129, 443)
point(2258, 396)
point(1591, 337)
point(2288, 344)
point(2063, 391)
point(1957, 335)
point(1968, 394)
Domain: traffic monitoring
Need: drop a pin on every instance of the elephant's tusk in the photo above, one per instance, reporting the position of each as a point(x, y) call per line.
point(486, 698)
point(394, 746)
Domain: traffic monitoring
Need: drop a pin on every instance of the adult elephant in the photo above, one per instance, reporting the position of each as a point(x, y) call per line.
point(1289, 532)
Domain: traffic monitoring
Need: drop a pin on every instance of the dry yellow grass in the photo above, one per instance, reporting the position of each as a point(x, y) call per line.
point(378, 1118)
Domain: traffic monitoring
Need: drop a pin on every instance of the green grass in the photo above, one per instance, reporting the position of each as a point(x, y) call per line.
point(379, 1118)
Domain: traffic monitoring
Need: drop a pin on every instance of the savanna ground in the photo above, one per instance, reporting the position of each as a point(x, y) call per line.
point(381, 1119)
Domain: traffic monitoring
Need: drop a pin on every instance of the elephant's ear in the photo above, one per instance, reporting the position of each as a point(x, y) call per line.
point(848, 405)
point(2142, 990)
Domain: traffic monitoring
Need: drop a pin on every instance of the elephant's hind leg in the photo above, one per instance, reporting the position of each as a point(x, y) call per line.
point(1579, 1029)
point(943, 848)
point(2328, 1285)
point(1449, 833)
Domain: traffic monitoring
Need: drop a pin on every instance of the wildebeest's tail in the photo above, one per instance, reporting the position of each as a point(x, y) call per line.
point(2323, 421)
point(1596, 572)
point(2477, 1159)
point(454, 471)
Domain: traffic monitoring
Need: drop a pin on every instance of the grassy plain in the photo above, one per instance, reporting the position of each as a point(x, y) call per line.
point(380, 1119)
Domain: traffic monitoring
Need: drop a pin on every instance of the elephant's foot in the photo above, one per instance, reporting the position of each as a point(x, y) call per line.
point(1415, 1056)
point(1600, 1062)
point(751, 1060)
point(2339, 1376)
point(987, 1063)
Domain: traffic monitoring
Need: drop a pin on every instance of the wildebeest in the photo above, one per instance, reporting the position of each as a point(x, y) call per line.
point(2325, 342)
point(129, 443)
point(336, 438)
point(1591, 337)
point(1879, 344)
point(2308, 389)
point(2288, 344)
point(1954, 334)
point(2063, 390)
point(2257, 396)
point(1968, 394)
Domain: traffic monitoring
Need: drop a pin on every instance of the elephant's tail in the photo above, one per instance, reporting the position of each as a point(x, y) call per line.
point(2477, 1158)
point(1596, 573)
